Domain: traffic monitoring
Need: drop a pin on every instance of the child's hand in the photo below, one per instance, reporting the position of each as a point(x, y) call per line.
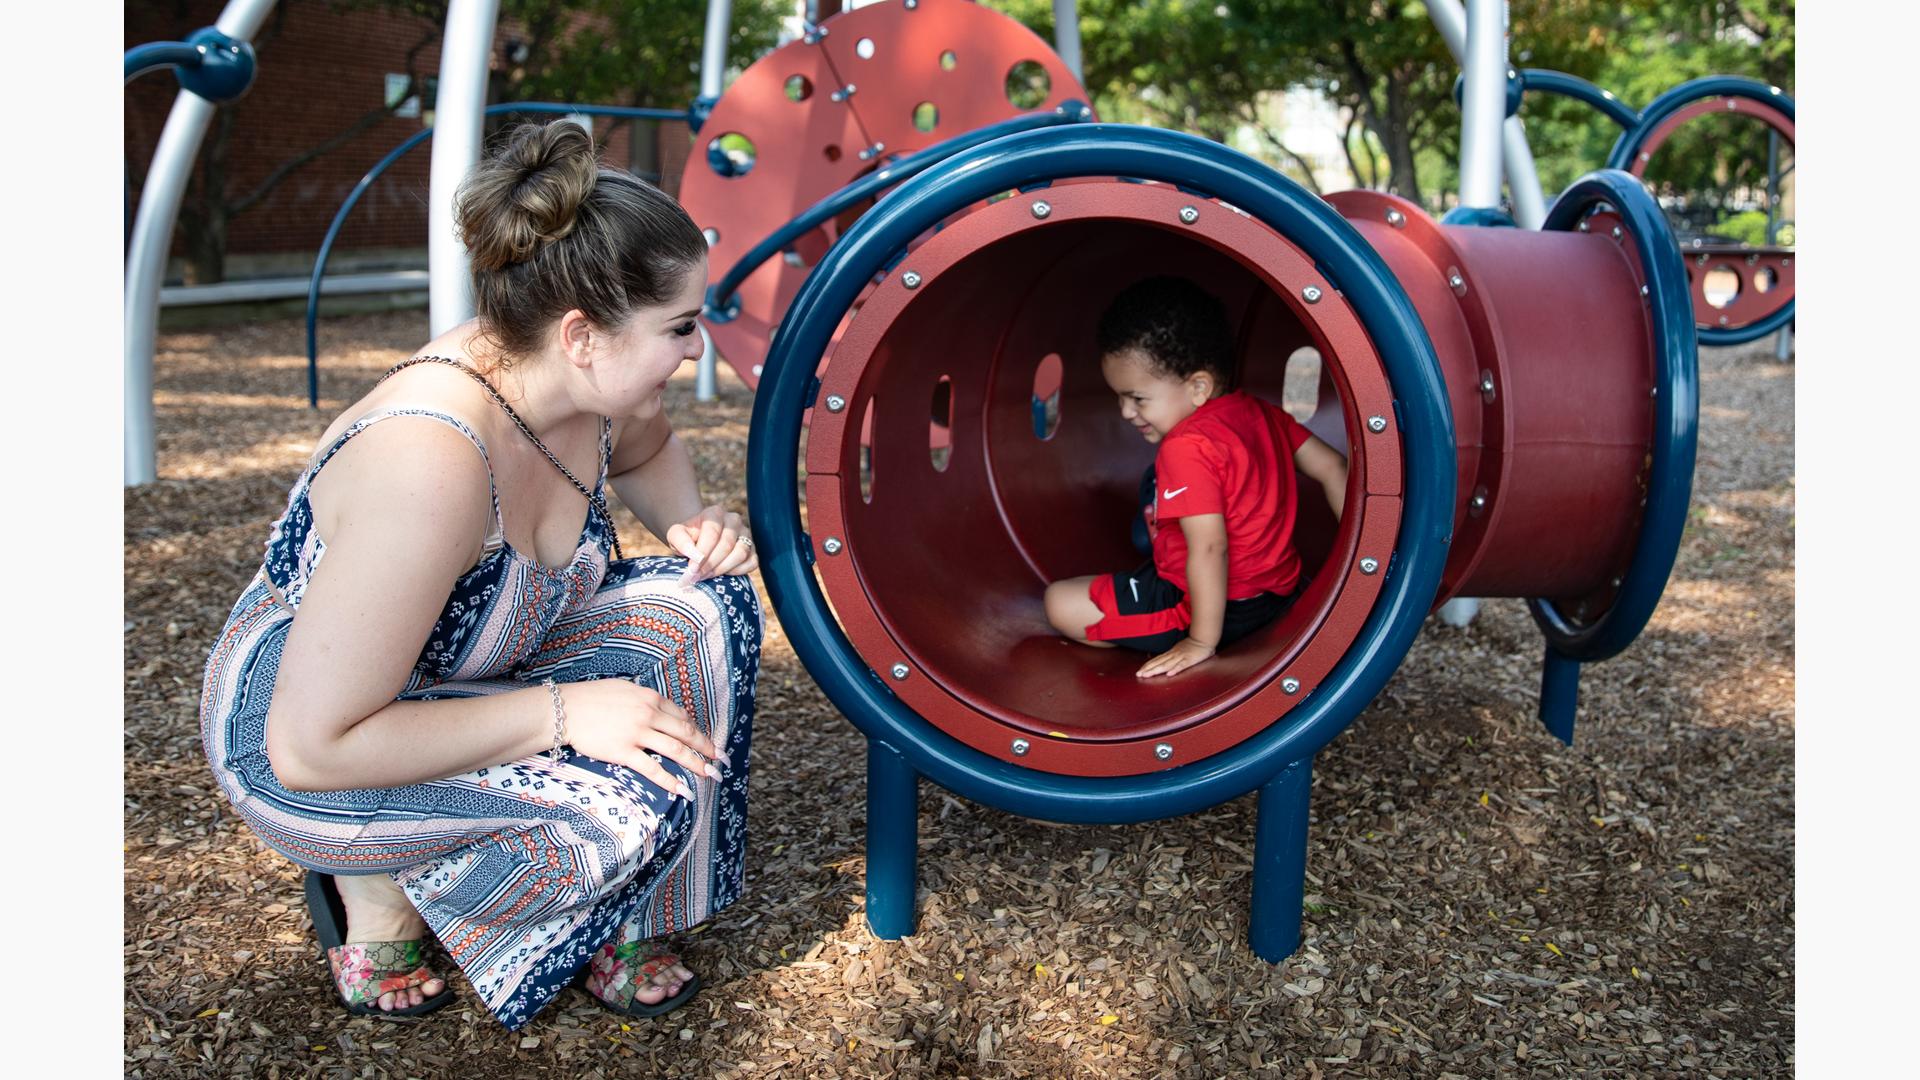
point(1175, 660)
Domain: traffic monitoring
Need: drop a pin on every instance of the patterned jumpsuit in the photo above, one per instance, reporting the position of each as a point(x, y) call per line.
point(527, 869)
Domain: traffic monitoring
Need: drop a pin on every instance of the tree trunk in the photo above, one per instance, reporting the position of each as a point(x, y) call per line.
point(1402, 178)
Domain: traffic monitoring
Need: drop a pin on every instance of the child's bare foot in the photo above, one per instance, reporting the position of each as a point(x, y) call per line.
point(377, 911)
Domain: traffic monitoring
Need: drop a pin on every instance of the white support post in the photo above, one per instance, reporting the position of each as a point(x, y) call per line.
point(147, 250)
point(1066, 36)
point(457, 126)
point(1523, 181)
point(1483, 106)
point(713, 80)
point(713, 51)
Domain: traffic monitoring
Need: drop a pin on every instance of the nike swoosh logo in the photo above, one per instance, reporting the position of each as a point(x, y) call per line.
point(1135, 586)
point(1171, 494)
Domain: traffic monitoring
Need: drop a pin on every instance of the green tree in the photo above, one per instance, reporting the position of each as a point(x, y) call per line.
point(1203, 65)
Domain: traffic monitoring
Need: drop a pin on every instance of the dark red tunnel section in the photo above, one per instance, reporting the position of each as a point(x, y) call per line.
point(956, 477)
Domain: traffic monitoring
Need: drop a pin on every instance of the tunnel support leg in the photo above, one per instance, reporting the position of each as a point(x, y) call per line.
point(1559, 694)
point(1280, 863)
point(893, 825)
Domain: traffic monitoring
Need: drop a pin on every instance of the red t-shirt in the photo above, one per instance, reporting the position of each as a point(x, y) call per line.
point(1234, 457)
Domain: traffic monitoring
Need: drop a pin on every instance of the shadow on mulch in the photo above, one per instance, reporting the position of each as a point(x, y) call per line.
point(1481, 900)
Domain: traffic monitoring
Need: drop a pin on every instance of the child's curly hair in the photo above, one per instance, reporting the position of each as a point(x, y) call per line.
point(1180, 327)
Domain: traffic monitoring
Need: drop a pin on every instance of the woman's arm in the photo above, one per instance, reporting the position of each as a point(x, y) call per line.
point(1327, 466)
point(1206, 596)
point(403, 509)
point(653, 474)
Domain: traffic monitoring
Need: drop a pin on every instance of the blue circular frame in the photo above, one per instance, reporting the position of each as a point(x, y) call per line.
point(1628, 145)
point(1676, 416)
point(1034, 159)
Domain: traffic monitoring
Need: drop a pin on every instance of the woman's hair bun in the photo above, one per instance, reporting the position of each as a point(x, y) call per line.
point(526, 194)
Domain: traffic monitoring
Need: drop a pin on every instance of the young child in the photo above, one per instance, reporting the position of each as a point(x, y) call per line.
point(1222, 510)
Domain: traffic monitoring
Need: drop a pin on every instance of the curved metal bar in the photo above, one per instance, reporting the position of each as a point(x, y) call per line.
point(721, 305)
point(1037, 157)
point(158, 54)
point(385, 163)
point(1676, 418)
point(1579, 89)
point(1630, 143)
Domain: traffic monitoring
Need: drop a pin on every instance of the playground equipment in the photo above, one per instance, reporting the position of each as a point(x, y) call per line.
point(1756, 298)
point(804, 140)
point(1518, 408)
point(215, 64)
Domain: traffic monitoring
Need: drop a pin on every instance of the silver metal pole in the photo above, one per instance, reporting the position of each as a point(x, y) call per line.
point(147, 250)
point(1066, 35)
point(713, 52)
point(713, 79)
point(1484, 105)
point(1523, 181)
point(456, 146)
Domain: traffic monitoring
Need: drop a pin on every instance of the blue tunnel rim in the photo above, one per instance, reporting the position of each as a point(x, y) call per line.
point(1630, 141)
point(1676, 417)
point(1036, 158)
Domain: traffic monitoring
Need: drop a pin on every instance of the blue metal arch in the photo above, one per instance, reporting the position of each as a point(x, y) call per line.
point(1579, 89)
point(1630, 142)
point(1675, 440)
point(1037, 157)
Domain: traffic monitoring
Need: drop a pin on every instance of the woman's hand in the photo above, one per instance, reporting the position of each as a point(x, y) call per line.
point(625, 723)
point(715, 542)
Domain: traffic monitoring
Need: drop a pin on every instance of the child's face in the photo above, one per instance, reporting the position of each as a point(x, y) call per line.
point(1152, 402)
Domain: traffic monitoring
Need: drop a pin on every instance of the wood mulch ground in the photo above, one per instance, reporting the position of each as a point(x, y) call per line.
point(1482, 900)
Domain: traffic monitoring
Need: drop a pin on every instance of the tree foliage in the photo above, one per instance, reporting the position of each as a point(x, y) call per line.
point(1204, 65)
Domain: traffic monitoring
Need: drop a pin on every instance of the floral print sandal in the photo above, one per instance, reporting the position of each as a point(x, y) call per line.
point(365, 970)
point(614, 977)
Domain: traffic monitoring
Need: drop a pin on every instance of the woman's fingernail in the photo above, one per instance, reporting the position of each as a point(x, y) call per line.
point(685, 791)
point(723, 759)
point(714, 771)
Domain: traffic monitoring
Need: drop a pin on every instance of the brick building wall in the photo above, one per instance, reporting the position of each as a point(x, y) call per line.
point(320, 69)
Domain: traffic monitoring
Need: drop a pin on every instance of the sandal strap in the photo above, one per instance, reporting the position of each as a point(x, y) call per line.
point(365, 970)
point(613, 977)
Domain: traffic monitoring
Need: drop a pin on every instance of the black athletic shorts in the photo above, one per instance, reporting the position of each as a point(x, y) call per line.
point(1142, 610)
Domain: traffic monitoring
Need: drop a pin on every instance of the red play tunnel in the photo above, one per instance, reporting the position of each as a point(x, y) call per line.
point(945, 486)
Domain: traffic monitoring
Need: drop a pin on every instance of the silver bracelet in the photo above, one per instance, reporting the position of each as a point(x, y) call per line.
point(559, 751)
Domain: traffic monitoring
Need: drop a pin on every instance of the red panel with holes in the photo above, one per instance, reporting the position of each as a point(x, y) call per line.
point(820, 114)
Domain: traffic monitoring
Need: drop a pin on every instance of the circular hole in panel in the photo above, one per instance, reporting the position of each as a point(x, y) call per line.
point(948, 60)
point(792, 258)
point(864, 48)
point(940, 426)
point(926, 116)
point(731, 155)
point(799, 88)
point(712, 234)
point(866, 451)
point(1301, 395)
point(1028, 85)
point(832, 152)
point(1721, 286)
point(1046, 397)
point(1765, 279)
